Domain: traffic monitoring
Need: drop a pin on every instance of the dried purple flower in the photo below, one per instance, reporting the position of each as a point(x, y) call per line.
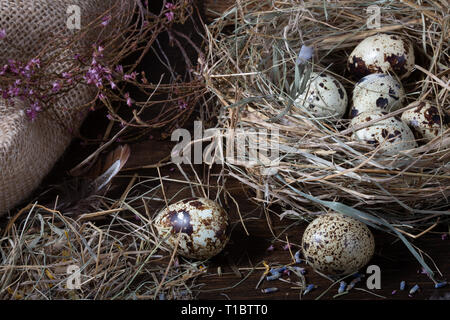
point(33, 111)
point(414, 289)
point(182, 105)
point(342, 286)
point(56, 86)
point(170, 6)
point(129, 100)
point(309, 288)
point(131, 76)
point(106, 20)
point(170, 15)
point(119, 68)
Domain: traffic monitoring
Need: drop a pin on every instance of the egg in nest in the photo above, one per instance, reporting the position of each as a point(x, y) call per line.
point(426, 121)
point(377, 92)
point(382, 53)
point(335, 244)
point(323, 97)
point(200, 224)
point(391, 133)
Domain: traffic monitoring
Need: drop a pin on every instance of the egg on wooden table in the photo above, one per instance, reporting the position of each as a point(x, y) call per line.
point(425, 120)
point(335, 244)
point(324, 97)
point(391, 133)
point(377, 92)
point(199, 225)
point(382, 53)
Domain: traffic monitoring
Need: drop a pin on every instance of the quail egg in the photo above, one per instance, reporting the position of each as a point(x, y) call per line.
point(391, 133)
point(200, 224)
point(335, 244)
point(425, 120)
point(382, 53)
point(324, 96)
point(377, 92)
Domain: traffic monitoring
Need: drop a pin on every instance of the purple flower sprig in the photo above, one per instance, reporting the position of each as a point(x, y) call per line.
point(21, 81)
point(30, 83)
point(170, 15)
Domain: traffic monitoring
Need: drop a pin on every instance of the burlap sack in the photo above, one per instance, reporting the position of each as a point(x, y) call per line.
point(28, 150)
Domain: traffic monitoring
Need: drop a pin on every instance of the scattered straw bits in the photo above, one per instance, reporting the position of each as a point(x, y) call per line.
point(382, 53)
point(391, 133)
point(377, 92)
point(335, 244)
point(324, 96)
point(199, 225)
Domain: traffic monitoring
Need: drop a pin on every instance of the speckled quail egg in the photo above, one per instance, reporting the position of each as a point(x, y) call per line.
point(391, 133)
point(335, 244)
point(425, 120)
point(382, 53)
point(201, 225)
point(377, 92)
point(324, 96)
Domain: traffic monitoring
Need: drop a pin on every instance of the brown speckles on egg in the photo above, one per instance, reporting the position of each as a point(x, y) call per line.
point(324, 96)
point(397, 63)
point(197, 204)
point(393, 134)
point(378, 92)
point(201, 225)
point(426, 121)
point(382, 53)
point(345, 245)
point(359, 69)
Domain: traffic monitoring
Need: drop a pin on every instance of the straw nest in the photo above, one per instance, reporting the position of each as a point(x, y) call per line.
point(252, 70)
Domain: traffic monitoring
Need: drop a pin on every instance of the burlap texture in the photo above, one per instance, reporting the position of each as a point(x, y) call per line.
point(28, 150)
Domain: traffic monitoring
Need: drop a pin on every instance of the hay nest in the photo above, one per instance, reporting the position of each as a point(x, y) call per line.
point(253, 70)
